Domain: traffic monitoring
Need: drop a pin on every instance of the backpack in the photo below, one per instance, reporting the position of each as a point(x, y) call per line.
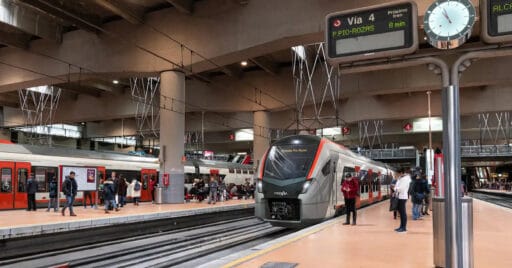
point(136, 187)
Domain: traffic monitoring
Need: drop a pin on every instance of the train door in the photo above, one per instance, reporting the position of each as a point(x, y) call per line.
point(7, 182)
point(146, 176)
point(20, 180)
point(102, 176)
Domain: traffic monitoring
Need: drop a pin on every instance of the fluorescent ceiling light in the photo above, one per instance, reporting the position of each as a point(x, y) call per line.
point(42, 89)
point(246, 134)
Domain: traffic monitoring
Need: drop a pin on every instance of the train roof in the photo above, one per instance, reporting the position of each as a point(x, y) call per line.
point(74, 153)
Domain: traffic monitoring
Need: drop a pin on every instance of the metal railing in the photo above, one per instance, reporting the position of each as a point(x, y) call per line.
point(486, 151)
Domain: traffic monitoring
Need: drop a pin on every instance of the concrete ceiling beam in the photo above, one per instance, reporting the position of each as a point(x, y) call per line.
point(233, 70)
point(117, 7)
point(29, 21)
point(266, 64)
point(184, 6)
point(18, 40)
point(57, 9)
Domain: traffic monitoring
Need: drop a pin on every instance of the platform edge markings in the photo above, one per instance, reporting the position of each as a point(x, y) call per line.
point(281, 242)
point(508, 210)
point(73, 225)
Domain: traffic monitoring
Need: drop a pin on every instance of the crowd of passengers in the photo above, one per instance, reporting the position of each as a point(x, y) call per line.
point(114, 191)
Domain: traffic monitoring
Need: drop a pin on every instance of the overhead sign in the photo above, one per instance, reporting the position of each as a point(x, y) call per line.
point(373, 32)
point(422, 125)
point(496, 20)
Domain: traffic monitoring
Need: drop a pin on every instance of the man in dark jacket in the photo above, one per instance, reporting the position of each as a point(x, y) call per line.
point(418, 191)
point(70, 188)
point(52, 187)
point(109, 194)
point(122, 189)
point(31, 189)
point(350, 189)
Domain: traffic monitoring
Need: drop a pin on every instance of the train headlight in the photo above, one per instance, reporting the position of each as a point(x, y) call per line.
point(259, 186)
point(305, 187)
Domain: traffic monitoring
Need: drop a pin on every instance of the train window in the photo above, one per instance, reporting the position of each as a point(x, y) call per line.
point(251, 172)
point(145, 181)
point(40, 177)
point(189, 178)
point(238, 171)
point(231, 170)
point(326, 170)
point(245, 171)
point(6, 180)
point(22, 179)
point(349, 170)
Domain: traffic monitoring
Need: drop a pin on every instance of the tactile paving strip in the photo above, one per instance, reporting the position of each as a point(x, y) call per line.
point(279, 265)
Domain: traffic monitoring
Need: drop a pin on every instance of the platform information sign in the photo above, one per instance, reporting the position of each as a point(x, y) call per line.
point(373, 32)
point(496, 20)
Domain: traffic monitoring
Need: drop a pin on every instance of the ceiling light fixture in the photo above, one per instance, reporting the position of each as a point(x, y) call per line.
point(115, 82)
point(243, 63)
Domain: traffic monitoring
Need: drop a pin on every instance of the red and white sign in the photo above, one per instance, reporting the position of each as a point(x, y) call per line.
point(345, 131)
point(408, 127)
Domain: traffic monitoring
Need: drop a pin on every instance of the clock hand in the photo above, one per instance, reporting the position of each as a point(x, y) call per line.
point(445, 14)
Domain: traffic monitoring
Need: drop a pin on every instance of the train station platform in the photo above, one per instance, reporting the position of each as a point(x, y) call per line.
point(494, 192)
point(22, 223)
point(373, 243)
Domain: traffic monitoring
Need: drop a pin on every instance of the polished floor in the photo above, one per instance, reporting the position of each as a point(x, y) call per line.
point(18, 218)
point(373, 243)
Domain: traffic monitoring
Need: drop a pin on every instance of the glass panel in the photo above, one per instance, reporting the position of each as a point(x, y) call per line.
point(6, 180)
point(145, 181)
point(289, 161)
point(22, 179)
point(40, 177)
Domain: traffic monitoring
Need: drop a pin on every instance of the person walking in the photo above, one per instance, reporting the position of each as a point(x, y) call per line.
point(53, 191)
point(350, 189)
point(109, 194)
point(136, 186)
point(69, 187)
point(31, 189)
point(402, 192)
point(213, 190)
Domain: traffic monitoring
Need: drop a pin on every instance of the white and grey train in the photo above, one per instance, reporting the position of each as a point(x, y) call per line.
point(299, 179)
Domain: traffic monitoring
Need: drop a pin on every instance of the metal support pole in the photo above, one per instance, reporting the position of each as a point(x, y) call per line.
point(453, 205)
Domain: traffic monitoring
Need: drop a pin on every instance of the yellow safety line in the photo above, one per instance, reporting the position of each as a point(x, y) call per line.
point(276, 246)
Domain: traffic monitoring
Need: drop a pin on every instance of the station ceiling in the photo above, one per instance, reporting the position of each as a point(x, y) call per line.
point(82, 46)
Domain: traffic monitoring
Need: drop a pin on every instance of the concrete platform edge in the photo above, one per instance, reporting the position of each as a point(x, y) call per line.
point(33, 230)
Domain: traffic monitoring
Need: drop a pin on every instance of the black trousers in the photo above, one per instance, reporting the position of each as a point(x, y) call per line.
point(31, 202)
point(87, 195)
point(403, 213)
point(350, 204)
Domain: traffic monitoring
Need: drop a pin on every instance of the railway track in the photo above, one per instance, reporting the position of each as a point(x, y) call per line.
point(163, 249)
point(495, 199)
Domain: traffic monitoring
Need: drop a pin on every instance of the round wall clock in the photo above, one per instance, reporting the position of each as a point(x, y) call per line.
point(448, 23)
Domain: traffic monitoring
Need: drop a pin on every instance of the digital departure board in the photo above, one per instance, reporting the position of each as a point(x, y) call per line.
point(374, 32)
point(496, 20)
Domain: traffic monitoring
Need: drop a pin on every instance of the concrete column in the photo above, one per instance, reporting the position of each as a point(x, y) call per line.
point(172, 131)
point(261, 128)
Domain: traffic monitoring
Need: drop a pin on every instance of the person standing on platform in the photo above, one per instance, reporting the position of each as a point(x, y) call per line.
point(392, 187)
point(136, 186)
point(419, 189)
point(109, 194)
point(31, 189)
point(426, 201)
point(69, 187)
point(402, 192)
point(88, 195)
point(213, 190)
point(122, 189)
point(53, 191)
point(152, 185)
point(350, 189)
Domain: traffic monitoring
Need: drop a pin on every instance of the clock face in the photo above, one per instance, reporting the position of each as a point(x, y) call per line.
point(448, 23)
point(449, 18)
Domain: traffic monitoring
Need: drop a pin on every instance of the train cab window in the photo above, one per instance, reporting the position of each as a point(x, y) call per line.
point(348, 170)
point(6, 180)
point(22, 179)
point(326, 170)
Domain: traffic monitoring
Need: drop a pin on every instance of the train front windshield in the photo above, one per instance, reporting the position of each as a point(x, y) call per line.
point(289, 161)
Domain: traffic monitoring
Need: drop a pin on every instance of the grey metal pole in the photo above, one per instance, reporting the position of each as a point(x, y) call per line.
point(453, 205)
